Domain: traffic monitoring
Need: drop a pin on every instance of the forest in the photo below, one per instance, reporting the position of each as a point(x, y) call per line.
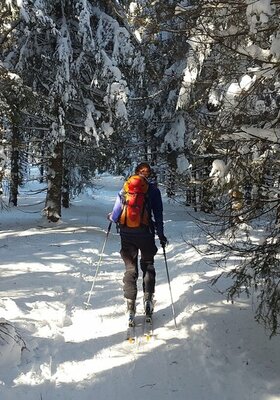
point(191, 86)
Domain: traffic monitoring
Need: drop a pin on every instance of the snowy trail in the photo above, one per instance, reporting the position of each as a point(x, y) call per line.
point(217, 352)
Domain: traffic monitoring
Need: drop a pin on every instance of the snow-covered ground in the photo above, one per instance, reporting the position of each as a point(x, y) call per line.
point(218, 352)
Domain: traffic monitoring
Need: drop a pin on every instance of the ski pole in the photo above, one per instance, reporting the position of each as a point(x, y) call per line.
point(98, 265)
point(169, 284)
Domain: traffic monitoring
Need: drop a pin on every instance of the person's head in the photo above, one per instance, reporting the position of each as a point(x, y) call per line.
point(143, 169)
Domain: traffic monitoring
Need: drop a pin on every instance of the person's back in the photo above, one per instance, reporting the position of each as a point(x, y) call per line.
point(139, 238)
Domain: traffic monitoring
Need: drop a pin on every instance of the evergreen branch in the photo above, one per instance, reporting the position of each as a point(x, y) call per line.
point(6, 34)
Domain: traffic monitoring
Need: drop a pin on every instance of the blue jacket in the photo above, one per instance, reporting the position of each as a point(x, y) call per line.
point(154, 205)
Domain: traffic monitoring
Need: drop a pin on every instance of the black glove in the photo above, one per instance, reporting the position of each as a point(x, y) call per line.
point(163, 240)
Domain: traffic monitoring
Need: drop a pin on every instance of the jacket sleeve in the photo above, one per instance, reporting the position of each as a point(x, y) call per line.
point(117, 209)
point(157, 210)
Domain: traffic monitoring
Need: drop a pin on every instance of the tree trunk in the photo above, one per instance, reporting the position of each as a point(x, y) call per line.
point(170, 184)
point(42, 167)
point(66, 189)
point(15, 169)
point(171, 173)
point(54, 193)
point(2, 164)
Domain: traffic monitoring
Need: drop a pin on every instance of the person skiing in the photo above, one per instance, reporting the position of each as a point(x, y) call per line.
point(140, 239)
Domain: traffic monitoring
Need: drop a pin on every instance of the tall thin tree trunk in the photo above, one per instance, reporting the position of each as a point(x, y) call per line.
point(42, 166)
point(65, 189)
point(170, 184)
point(54, 193)
point(170, 174)
point(15, 169)
point(2, 168)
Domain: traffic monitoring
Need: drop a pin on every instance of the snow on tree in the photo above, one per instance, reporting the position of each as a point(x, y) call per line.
point(184, 85)
point(72, 55)
point(155, 113)
point(235, 116)
point(210, 90)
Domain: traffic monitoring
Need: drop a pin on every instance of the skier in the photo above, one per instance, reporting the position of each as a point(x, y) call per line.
point(140, 239)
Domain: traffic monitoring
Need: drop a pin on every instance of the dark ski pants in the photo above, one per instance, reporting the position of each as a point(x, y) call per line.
point(131, 246)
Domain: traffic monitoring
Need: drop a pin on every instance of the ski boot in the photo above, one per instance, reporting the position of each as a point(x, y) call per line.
point(131, 309)
point(148, 305)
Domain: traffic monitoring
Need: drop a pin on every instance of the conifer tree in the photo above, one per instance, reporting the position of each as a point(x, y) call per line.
point(234, 115)
point(73, 55)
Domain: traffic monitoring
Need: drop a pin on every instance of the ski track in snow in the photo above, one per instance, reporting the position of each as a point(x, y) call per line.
point(74, 352)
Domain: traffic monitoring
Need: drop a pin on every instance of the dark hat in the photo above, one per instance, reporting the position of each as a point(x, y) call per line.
point(142, 165)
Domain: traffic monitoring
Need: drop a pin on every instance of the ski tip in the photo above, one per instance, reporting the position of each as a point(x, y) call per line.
point(149, 338)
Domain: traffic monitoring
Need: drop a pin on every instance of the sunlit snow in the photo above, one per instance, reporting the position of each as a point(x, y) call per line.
point(64, 350)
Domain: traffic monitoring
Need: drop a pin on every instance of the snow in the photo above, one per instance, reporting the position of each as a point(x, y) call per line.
point(84, 28)
point(133, 7)
point(107, 129)
point(199, 50)
point(246, 82)
point(175, 136)
point(255, 52)
point(3, 158)
point(258, 11)
point(249, 132)
point(47, 270)
point(218, 168)
point(275, 46)
point(183, 165)
point(90, 127)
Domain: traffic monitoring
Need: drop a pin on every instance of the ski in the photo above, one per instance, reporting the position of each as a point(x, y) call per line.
point(148, 328)
point(147, 325)
point(148, 332)
point(131, 331)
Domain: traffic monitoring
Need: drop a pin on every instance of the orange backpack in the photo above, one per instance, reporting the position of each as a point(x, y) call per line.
point(134, 196)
